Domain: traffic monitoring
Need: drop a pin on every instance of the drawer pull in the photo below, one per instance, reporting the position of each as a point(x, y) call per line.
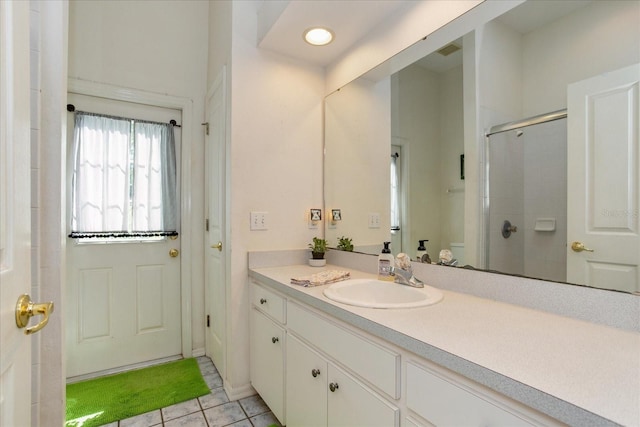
point(263, 300)
point(275, 339)
point(333, 387)
point(315, 372)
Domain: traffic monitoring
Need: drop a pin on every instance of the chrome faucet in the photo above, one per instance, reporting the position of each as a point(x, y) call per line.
point(402, 272)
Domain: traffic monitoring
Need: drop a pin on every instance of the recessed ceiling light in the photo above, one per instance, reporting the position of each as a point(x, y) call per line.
point(318, 36)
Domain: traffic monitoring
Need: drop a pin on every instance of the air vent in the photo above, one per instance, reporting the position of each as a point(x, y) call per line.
point(449, 49)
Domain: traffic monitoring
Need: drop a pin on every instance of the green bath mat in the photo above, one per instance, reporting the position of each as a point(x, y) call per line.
point(116, 397)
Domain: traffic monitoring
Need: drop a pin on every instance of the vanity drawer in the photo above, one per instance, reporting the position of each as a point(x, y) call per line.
point(374, 363)
point(443, 402)
point(268, 302)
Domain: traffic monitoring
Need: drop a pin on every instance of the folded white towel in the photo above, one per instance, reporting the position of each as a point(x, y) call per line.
point(321, 278)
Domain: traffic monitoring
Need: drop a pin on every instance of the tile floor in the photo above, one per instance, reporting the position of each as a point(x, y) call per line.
point(211, 410)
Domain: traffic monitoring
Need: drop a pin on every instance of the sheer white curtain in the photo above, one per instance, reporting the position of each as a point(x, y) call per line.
point(124, 178)
point(395, 193)
point(100, 196)
point(154, 200)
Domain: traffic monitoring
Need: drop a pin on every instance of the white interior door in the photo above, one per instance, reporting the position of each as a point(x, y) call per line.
point(123, 298)
point(603, 196)
point(215, 248)
point(15, 244)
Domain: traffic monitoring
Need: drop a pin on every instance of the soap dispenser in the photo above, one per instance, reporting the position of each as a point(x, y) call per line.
point(385, 262)
point(422, 250)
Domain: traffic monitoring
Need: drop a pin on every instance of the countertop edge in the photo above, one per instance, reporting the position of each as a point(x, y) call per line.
point(518, 391)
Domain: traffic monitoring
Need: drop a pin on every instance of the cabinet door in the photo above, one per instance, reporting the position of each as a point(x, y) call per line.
point(351, 404)
point(306, 386)
point(446, 404)
point(267, 361)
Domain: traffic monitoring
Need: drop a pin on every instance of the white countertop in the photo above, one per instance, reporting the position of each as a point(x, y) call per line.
point(579, 372)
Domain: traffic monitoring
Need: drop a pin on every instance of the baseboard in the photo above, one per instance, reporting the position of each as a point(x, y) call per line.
point(198, 352)
point(237, 393)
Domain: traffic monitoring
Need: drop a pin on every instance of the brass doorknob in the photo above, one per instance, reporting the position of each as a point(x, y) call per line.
point(174, 253)
point(25, 309)
point(579, 247)
point(217, 246)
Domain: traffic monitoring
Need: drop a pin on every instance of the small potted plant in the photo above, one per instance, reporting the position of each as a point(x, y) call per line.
point(344, 244)
point(318, 248)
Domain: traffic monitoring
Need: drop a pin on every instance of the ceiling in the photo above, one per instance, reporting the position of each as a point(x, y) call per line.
point(350, 20)
point(284, 21)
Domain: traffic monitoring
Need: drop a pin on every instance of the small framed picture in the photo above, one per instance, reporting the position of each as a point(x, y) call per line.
point(316, 214)
point(336, 215)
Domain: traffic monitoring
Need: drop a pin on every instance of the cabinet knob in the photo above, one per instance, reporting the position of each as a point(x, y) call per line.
point(333, 387)
point(315, 372)
point(275, 339)
point(263, 300)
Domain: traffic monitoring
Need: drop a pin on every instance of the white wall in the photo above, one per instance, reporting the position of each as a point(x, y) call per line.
point(275, 138)
point(158, 47)
point(49, 21)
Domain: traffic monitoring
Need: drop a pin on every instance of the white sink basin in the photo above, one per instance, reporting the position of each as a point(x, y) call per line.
point(373, 293)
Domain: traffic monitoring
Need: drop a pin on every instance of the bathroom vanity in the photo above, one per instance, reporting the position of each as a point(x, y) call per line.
point(463, 361)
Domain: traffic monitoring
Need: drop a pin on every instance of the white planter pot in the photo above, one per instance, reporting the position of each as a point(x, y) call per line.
point(317, 262)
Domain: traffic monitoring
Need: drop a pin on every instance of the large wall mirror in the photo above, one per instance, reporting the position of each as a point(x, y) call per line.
point(505, 145)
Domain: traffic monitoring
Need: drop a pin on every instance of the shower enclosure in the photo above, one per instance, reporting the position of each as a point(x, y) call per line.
point(525, 200)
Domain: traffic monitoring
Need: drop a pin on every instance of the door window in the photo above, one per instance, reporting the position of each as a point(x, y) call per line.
point(123, 178)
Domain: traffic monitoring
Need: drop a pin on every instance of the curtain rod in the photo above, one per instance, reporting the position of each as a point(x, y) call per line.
point(72, 109)
point(535, 120)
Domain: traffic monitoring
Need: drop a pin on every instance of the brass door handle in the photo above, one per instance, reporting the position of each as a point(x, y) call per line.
point(174, 253)
point(579, 247)
point(25, 309)
point(218, 246)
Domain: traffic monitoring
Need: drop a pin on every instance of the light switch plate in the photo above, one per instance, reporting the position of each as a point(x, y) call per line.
point(259, 221)
point(374, 220)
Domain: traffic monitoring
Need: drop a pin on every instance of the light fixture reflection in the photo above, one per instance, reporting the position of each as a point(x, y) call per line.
point(318, 36)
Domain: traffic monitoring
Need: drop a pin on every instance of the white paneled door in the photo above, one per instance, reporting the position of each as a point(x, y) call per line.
point(603, 196)
point(215, 249)
point(123, 305)
point(15, 241)
point(123, 301)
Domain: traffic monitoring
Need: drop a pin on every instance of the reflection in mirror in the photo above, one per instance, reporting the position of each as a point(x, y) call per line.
point(527, 173)
point(430, 113)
